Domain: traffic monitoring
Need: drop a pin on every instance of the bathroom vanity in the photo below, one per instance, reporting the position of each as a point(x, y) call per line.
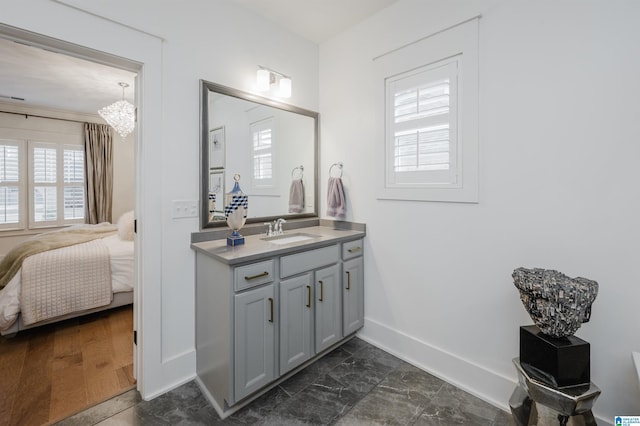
point(268, 308)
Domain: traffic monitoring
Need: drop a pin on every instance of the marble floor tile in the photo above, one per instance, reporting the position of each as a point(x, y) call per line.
point(177, 407)
point(310, 373)
point(365, 369)
point(259, 408)
point(452, 406)
point(355, 344)
point(356, 384)
point(503, 418)
point(398, 400)
point(320, 403)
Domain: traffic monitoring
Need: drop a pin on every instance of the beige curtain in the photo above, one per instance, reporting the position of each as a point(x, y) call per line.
point(98, 150)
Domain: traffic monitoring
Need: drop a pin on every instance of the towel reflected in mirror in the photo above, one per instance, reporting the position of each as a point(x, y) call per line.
point(296, 196)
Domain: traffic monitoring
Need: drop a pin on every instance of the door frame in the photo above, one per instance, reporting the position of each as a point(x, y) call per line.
point(146, 248)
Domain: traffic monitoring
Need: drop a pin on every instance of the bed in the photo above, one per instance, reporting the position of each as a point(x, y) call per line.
point(65, 282)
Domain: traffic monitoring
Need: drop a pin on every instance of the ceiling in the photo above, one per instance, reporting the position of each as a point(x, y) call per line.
point(315, 20)
point(34, 77)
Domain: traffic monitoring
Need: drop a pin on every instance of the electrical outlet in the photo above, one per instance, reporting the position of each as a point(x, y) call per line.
point(184, 208)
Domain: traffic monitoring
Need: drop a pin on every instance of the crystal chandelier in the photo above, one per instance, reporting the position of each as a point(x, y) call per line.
point(120, 115)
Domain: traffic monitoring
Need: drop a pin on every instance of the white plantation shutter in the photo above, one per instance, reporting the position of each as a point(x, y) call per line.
point(44, 178)
point(73, 183)
point(262, 133)
point(422, 126)
point(10, 190)
point(57, 184)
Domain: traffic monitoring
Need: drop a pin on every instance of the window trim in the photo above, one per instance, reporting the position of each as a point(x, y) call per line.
point(461, 40)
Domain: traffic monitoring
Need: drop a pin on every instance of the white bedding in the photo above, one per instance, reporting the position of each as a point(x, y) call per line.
point(121, 261)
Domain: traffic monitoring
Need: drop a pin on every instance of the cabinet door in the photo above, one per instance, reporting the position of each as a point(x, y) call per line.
point(353, 295)
point(254, 347)
point(296, 321)
point(328, 307)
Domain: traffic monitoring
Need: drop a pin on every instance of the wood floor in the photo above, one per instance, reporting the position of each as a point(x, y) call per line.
point(53, 371)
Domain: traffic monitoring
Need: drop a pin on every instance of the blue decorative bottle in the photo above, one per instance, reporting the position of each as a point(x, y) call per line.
point(235, 211)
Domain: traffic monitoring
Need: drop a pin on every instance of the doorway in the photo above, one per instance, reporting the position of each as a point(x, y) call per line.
point(40, 343)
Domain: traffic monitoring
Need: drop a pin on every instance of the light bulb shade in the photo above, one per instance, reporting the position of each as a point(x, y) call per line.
point(121, 116)
point(285, 87)
point(263, 80)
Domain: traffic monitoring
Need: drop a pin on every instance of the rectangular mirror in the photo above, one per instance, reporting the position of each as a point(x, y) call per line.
point(272, 146)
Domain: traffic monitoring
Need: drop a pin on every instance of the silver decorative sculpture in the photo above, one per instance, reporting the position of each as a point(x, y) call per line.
point(557, 304)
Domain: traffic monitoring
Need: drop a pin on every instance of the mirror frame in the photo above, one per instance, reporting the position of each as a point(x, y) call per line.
point(205, 88)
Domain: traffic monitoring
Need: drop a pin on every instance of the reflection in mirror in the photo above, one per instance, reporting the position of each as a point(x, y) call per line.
point(272, 146)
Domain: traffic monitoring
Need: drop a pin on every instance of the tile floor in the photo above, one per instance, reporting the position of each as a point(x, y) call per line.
point(356, 384)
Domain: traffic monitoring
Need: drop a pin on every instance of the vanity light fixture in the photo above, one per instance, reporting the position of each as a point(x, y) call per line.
point(120, 115)
point(267, 77)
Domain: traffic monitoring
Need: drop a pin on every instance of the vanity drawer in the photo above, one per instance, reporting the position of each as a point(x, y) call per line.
point(352, 249)
point(308, 260)
point(253, 275)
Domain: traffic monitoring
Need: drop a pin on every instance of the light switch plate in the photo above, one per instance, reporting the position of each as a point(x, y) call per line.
point(184, 208)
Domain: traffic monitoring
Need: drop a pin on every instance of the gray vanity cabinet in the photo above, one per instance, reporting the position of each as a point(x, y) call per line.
point(296, 321)
point(328, 322)
point(310, 304)
point(263, 316)
point(352, 287)
point(255, 344)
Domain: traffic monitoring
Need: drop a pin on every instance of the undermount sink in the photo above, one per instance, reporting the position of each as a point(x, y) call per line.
point(290, 238)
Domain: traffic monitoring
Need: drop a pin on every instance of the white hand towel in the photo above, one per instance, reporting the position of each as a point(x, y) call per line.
point(296, 196)
point(336, 204)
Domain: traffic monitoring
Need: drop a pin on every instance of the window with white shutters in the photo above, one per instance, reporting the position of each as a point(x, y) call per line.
point(428, 115)
point(421, 125)
point(56, 174)
point(262, 149)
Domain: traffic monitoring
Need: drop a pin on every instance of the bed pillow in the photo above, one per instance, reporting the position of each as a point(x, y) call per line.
point(125, 226)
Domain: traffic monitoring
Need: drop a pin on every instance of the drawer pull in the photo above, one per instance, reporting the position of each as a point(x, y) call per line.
point(354, 250)
point(271, 309)
point(321, 291)
point(253, 277)
point(348, 280)
point(308, 296)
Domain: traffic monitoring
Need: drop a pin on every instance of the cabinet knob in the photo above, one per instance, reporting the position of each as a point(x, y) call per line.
point(308, 296)
point(348, 280)
point(321, 291)
point(271, 308)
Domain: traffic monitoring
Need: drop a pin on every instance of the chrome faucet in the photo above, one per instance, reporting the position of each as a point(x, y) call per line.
point(275, 228)
point(278, 226)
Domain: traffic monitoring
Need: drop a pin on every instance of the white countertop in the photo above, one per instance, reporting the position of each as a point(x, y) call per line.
point(255, 247)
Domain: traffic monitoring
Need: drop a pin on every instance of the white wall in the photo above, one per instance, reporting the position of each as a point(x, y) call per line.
point(559, 134)
point(210, 40)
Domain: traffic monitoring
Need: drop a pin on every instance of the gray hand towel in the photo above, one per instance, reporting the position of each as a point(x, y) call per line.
point(336, 204)
point(296, 196)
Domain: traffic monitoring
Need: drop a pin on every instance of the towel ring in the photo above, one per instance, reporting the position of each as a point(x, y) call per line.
point(338, 165)
point(300, 168)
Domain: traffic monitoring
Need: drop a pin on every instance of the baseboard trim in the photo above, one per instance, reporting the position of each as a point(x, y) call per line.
point(149, 397)
point(447, 366)
point(488, 385)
